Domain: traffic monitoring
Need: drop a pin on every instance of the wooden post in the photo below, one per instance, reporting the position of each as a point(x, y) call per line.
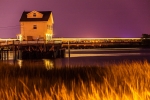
point(15, 52)
point(2, 54)
point(7, 54)
point(18, 54)
point(68, 49)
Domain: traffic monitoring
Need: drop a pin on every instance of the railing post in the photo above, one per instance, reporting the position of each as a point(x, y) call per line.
point(68, 49)
point(14, 52)
point(2, 54)
point(7, 54)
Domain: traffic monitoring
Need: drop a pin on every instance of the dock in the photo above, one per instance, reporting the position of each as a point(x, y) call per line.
point(55, 48)
point(32, 49)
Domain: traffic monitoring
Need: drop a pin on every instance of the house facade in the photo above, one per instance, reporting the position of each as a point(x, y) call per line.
point(36, 25)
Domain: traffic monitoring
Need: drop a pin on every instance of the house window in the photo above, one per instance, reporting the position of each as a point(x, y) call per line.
point(34, 26)
point(50, 27)
point(47, 26)
point(34, 14)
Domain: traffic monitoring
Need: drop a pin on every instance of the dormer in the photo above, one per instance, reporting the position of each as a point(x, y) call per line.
point(34, 14)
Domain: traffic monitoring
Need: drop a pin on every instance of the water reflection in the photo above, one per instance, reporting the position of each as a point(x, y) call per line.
point(49, 64)
point(86, 57)
point(93, 55)
point(19, 62)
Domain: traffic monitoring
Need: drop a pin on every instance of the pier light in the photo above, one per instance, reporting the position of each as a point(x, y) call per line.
point(19, 37)
point(48, 36)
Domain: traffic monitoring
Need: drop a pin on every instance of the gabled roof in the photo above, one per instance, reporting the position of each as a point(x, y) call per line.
point(46, 15)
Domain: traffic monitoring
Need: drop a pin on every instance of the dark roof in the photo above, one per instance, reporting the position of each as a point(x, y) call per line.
point(46, 15)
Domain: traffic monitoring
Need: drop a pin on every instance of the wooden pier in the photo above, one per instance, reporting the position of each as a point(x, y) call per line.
point(32, 49)
point(55, 48)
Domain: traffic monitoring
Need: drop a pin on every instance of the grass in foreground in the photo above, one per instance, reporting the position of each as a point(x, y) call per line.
point(124, 81)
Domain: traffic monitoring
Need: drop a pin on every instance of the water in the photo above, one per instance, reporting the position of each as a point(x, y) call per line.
point(88, 57)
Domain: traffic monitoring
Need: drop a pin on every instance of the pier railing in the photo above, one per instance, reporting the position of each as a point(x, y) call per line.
point(29, 42)
point(31, 49)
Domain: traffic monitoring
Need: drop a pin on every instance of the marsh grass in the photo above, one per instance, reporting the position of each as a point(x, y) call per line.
point(124, 81)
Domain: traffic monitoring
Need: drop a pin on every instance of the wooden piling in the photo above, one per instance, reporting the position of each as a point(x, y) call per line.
point(68, 49)
point(15, 53)
point(2, 54)
point(7, 53)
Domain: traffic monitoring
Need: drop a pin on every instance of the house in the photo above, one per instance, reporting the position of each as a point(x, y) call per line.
point(36, 25)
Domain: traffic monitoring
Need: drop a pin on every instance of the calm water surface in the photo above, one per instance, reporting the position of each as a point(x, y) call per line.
point(90, 57)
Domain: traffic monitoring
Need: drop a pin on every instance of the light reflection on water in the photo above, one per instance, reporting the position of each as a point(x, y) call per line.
point(88, 57)
point(20, 63)
point(49, 64)
point(92, 55)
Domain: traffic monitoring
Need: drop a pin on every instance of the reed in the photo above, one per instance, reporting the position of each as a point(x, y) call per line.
point(124, 81)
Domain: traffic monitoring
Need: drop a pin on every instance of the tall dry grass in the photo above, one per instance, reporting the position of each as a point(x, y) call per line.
point(124, 81)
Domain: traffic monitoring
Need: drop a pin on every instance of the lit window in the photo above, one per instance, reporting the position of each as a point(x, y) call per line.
point(34, 14)
point(34, 26)
point(48, 26)
point(51, 27)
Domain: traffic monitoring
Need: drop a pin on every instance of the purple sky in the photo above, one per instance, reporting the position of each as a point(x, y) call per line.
point(81, 18)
